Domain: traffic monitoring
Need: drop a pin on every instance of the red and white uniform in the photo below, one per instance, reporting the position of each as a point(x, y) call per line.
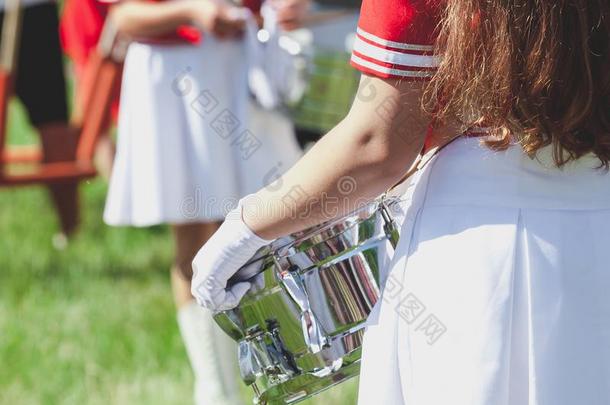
point(498, 290)
point(395, 38)
point(189, 141)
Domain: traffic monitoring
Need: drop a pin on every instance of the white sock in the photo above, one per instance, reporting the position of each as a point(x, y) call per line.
point(213, 357)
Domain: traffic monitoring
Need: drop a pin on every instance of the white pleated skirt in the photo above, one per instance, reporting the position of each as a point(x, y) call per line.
point(190, 142)
point(499, 290)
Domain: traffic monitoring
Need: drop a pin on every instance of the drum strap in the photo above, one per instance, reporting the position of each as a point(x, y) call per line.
point(426, 155)
point(391, 193)
point(422, 160)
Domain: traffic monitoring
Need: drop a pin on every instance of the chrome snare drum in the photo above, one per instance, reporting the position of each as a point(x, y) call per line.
point(300, 326)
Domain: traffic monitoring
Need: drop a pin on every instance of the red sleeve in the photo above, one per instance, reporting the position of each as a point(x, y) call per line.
point(395, 38)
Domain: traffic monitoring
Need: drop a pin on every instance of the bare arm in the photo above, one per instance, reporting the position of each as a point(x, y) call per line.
point(355, 162)
point(144, 19)
point(138, 19)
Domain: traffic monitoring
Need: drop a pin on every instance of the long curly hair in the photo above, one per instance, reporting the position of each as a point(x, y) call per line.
point(536, 72)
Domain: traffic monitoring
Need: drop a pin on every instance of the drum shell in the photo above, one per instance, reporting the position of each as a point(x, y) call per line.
point(337, 267)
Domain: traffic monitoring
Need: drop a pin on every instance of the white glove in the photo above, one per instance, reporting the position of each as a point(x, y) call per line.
point(225, 252)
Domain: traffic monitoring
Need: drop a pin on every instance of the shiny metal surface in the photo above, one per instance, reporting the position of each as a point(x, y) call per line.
point(300, 327)
point(331, 84)
point(323, 83)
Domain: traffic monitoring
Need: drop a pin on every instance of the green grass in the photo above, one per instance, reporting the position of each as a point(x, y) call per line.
point(94, 324)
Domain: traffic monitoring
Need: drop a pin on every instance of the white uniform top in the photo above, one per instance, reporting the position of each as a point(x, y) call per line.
point(498, 290)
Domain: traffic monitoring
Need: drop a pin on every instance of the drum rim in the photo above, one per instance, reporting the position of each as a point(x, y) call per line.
point(279, 247)
point(376, 204)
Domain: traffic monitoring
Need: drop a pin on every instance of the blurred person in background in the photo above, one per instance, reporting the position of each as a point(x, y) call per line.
point(41, 86)
point(187, 148)
point(500, 280)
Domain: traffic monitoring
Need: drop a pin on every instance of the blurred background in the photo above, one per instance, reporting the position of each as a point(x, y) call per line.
point(93, 322)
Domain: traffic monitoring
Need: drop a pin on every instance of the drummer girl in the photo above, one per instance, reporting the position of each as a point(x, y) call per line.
point(499, 285)
point(184, 99)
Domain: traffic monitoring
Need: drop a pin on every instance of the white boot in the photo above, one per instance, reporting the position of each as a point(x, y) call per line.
point(213, 357)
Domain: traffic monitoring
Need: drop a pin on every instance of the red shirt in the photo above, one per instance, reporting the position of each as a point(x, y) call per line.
point(80, 28)
point(395, 38)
